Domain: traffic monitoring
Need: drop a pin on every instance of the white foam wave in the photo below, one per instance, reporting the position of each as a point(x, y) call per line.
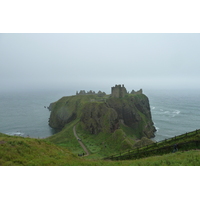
point(157, 128)
point(176, 112)
point(15, 133)
point(169, 113)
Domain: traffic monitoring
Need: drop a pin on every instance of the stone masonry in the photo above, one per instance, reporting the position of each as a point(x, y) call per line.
point(118, 91)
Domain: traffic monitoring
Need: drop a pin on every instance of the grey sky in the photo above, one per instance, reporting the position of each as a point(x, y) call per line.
point(99, 61)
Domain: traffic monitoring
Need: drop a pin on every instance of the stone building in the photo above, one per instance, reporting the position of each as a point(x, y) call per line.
point(118, 91)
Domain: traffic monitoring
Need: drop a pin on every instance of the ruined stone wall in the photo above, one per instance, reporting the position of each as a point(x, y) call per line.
point(137, 92)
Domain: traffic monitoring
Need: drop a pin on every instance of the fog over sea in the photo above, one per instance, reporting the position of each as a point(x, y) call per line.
point(24, 113)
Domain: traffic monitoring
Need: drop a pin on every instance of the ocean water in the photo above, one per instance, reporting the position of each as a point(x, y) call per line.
point(24, 113)
point(174, 112)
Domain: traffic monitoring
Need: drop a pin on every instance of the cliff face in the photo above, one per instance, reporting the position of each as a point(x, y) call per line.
point(62, 112)
point(134, 111)
point(97, 115)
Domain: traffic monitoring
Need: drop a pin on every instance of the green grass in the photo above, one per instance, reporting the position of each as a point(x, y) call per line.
point(65, 138)
point(99, 145)
point(129, 131)
point(188, 158)
point(28, 151)
point(17, 151)
point(107, 144)
point(104, 144)
point(164, 147)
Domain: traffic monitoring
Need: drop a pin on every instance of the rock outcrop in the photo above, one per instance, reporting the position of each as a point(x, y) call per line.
point(97, 117)
point(134, 111)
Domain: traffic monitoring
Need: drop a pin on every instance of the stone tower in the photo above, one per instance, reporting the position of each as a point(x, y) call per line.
point(118, 91)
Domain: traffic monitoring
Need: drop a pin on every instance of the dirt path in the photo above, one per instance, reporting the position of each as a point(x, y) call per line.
point(80, 142)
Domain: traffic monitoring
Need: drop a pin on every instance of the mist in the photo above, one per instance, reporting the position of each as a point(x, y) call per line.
point(99, 61)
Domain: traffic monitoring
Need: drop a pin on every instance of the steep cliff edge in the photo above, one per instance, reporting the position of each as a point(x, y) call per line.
point(105, 114)
point(97, 117)
point(134, 111)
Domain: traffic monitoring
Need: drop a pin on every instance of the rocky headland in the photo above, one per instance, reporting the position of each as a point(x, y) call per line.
point(99, 112)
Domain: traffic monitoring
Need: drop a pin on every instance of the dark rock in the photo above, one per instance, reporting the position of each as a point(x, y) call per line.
point(99, 118)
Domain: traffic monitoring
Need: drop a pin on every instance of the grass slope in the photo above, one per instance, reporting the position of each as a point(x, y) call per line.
point(65, 138)
point(15, 150)
point(19, 151)
point(104, 144)
point(186, 141)
point(99, 145)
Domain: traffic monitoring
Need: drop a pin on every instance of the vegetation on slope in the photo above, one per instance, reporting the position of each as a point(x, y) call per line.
point(70, 108)
point(106, 125)
point(182, 142)
point(15, 150)
point(65, 138)
point(99, 145)
point(104, 114)
point(19, 151)
point(104, 143)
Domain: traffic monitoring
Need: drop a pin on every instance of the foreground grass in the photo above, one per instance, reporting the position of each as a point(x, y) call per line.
point(18, 151)
point(187, 141)
point(28, 151)
point(65, 138)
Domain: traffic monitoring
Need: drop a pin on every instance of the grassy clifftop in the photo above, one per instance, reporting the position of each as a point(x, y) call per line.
point(70, 108)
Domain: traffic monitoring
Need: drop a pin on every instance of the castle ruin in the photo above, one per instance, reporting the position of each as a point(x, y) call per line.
point(83, 92)
point(120, 91)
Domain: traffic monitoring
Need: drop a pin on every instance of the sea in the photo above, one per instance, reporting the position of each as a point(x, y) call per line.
point(174, 112)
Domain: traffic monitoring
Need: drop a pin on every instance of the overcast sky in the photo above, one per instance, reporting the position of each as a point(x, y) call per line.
point(99, 61)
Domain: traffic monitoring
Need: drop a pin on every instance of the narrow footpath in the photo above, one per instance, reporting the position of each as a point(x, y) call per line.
point(80, 142)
